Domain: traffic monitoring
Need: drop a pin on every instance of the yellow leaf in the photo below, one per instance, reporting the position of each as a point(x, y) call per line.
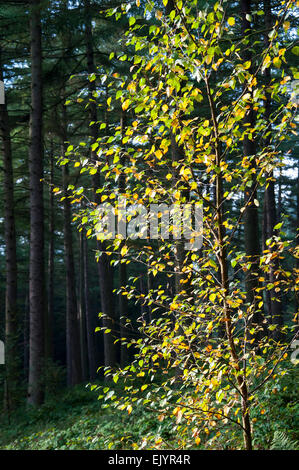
point(124, 250)
point(286, 25)
point(277, 62)
point(197, 441)
point(125, 105)
point(129, 408)
point(231, 21)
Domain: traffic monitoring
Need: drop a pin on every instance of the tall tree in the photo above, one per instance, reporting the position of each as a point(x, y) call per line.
point(11, 257)
point(51, 257)
point(270, 213)
point(251, 219)
point(74, 369)
point(90, 324)
point(104, 267)
point(36, 268)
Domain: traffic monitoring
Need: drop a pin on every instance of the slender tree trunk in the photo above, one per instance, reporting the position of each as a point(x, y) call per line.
point(223, 263)
point(104, 268)
point(82, 312)
point(26, 336)
point(270, 217)
point(74, 369)
point(90, 324)
point(36, 268)
point(11, 327)
point(50, 310)
point(251, 220)
point(123, 301)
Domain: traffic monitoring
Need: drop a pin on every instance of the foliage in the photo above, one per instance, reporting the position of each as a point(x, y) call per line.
point(205, 350)
point(72, 419)
point(283, 442)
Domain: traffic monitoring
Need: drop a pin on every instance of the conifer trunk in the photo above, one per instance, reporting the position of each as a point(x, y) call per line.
point(36, 268)
point(11, 327)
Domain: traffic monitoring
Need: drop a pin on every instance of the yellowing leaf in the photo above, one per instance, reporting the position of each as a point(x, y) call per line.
point(124, 250)
point(231, 21)
point(277, 62)
point(125, 105)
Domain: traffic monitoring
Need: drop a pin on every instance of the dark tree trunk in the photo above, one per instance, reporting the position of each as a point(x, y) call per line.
point(36, 268)
point(104, 267)
point(270, 217)
point(90, 324)
point(74, 369)
point(50, 310)
point(82, 312)
point(251, 220)
point(11, 355)
point(123, 301)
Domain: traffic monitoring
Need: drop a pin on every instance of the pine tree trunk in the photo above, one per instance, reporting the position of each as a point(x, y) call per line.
point(74, 369)
point(36, 268)
point(11, 355)
point(251, 220)
point(50, 310)
point(82, 312)
point(123, 301)
point(90, 324)
point(270, 217)
point(104, 268)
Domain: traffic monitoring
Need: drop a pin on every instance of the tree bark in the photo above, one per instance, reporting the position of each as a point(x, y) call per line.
point(74, 369)
point(11, 326)
point(223, 264)
point(270, 217)
point(82, 312)
point(123, 301)
point(90, 324)
point(50, 310)
point(251, 220)
point(104, 268)
point(36, 269)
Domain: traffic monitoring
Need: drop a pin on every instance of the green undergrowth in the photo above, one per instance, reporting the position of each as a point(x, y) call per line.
point(75, 420)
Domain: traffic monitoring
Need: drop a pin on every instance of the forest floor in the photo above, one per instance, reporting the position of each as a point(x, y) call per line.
point(73, 419)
